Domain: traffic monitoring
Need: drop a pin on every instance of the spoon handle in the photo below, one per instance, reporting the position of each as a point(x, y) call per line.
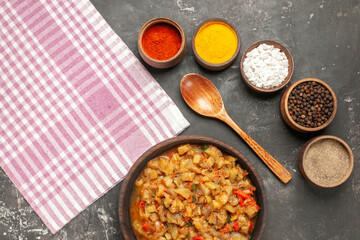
point(269, 160)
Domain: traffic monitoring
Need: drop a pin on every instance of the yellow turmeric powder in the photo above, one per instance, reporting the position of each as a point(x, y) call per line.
point(216, 42)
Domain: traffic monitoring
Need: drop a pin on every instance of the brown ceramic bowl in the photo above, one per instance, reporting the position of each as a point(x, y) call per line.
point(282, 49)
point(217, 66)
point(162, 63)
point(285, 111)
point(128, 183)
point(304, 170)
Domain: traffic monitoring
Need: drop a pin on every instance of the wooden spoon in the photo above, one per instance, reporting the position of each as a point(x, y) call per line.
point(204, 98)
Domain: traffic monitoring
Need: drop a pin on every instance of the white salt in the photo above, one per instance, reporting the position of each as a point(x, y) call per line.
point(266, 66)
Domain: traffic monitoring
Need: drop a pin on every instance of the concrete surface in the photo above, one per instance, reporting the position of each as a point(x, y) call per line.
point(323, 37)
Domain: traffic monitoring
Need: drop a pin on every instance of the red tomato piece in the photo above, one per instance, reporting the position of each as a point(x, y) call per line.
point(145, 226)
point(241, 194)
point(197, 238)
point(251, 226)
point(141, 204)
point(225, 229)
point(236, 226)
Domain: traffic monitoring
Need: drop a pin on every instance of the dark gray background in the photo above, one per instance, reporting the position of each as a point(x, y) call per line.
point(323, 37)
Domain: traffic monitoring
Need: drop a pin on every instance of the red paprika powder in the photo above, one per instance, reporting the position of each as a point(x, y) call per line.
point(161, 41)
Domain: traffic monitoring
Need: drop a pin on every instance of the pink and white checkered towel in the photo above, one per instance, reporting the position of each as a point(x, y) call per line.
point(76, 106)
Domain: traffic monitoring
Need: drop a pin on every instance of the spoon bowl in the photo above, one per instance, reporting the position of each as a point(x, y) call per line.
point(203, 97)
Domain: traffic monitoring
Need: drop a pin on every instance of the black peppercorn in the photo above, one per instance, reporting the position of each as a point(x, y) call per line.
point(310, 104)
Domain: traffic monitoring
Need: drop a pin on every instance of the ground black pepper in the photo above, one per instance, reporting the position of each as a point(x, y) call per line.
point(310, 104)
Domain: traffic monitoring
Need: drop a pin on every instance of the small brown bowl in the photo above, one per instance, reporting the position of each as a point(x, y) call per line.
point(285, 111)
point(128, 183)
point(305, 170)
point(282, 49)
point(217, 66)
point(162, 64)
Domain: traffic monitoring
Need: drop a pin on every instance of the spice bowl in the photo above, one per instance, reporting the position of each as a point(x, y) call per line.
point(326, 161)
point(216, 44)
point(159, 52)
point(309, 105)
point(269, 89)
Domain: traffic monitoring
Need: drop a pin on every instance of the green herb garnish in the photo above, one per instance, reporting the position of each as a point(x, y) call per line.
point(194, 198)
point(194, 187)
point(228, 219)
point(205, 147)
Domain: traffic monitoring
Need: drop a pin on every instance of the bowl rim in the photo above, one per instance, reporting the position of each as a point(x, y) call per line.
point(286, 110)
point(126, 188)
point(157, 20)
point(307, 146)
point(215, 66)
point(283, 49)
